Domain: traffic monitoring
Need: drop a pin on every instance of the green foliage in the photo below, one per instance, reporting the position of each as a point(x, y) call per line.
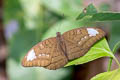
point(111, 75)
point(89, 11)
point(12, 10)
point(107, 16)
point(117, 45)
point(24, 41)
point(50, 21)
point(98, 16)
point(115, 33)
point(69, 8)
point(62, 26)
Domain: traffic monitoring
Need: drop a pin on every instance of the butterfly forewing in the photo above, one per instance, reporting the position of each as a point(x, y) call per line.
point(45, 54)
point(79, 41)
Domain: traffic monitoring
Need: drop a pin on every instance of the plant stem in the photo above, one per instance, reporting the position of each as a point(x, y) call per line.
point(110, 60)
point(109, 64)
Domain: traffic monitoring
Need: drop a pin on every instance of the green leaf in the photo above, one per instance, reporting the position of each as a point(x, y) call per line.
point(90, 10)
point(111, 75)
point(95, 16)
point(98, 50)
point(107, 16)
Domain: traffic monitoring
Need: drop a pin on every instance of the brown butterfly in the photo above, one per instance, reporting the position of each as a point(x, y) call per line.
point(55, 52)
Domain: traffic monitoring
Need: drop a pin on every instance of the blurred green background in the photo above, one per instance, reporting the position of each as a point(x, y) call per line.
point(27, 22)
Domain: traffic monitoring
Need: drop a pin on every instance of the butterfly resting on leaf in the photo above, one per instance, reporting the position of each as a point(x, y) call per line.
point(55, 52)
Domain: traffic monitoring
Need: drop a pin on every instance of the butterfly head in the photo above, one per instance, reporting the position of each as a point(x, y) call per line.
point(58, 34)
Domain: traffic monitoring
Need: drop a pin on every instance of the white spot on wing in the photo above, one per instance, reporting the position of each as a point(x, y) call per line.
point(82, 38)
point(41, 46)
point(79, 42)
point(31, 55)
point(43, 54)
point(47, 55)
point(40, 55)
point(92, 32)
point(85, 37)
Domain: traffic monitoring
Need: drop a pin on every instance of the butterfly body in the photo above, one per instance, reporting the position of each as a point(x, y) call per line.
point(61, 43)
point(54, 53)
